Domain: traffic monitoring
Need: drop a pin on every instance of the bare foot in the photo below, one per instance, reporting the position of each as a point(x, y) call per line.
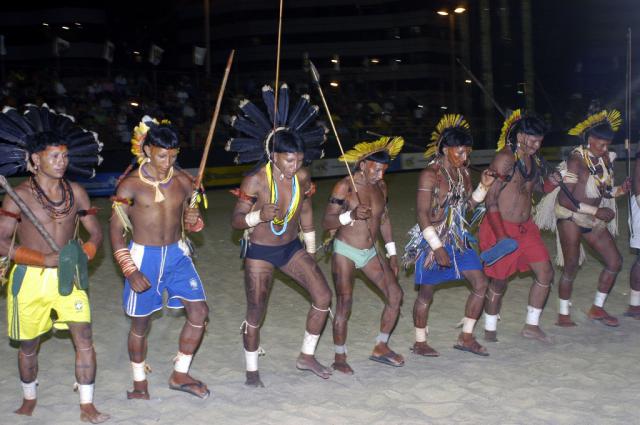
point(467, 342)
point(564, 321)
point(383, 354)
point(253, 380)
point(598, 313)
point(89, 413)
point(633, 311)
point(26, 408)
point(340, 364)
point(534, 332)
point(309, 362)
point(491, 336)
point(423, 349)
point(140, 391)
point(183, 382)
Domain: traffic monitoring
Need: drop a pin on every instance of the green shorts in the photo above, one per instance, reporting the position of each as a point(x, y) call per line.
point(359, 256)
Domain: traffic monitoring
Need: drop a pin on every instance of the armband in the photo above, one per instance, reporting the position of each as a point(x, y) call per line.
point(432, 238)
point(480, 193)
point(24, 255)
point(587, 209)
point(391, 248)
point(253, 218)
point(345, 218)
point(90, 249)
point(124, 260)
point(310, 241)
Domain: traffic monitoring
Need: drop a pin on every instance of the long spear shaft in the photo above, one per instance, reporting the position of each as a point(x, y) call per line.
point(545, 164)
point(627, 141)
point(28, 213)
point(316, 79)
point(212, 129)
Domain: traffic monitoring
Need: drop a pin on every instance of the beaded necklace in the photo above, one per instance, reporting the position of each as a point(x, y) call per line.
point(293, 204)
point(55, 209)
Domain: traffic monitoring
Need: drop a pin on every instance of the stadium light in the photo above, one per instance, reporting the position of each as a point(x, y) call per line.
point(64, 27)
point(375, 60)
point(442, 12)
point(334, 84)
point(459, 10)
point(44, 24)
point(467, 81)
point(134, 104)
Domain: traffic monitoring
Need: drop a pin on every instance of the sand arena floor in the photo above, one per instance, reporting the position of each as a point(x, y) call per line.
point(589, 376)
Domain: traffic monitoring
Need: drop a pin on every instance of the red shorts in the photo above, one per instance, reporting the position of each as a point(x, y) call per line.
point(531, 249)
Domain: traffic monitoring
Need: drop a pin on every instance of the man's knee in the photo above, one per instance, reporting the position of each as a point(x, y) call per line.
point(29, 347)
point(198, 312)
point(480, 285)
point(395, 295)
point(322, 298)
point(615, 265)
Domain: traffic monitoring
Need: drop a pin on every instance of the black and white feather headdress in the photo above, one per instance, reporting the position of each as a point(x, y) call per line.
point(17, 129)
point(255, 140)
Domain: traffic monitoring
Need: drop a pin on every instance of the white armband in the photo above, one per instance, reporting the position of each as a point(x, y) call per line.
point(638, 200)
point(391, 248)
point(432, 238)
point(587, 209)
point(345, 218)
point(480, 193)
point(310, 241)
point(253, 218)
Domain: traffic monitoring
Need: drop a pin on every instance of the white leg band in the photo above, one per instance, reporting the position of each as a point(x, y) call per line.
point(480, 193)
point(182, 362)
point(310, 241)
point(391, 248)
point(345, 218)
point(382, 337)
point(251, 360)
point(634, 298)
point(490, 322)
point(86, 393)
point(432, 238)
point(599, 299)
point(309, 343)
point(468, 324)
point(29, 390)
point(563, 306)
point(341, 349)
point(421, 334)
point(253, 218)
point(139, 371)
point(533, 315)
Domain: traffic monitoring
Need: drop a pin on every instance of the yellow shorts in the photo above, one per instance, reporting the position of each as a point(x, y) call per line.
point(32, 293)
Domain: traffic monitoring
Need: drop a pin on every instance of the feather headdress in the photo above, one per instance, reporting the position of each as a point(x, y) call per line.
point(257, 132)
point(613, 118)
point(139, 135)
point(17, 130)
point(507, 127)
point(393, 146)
point(446, 122)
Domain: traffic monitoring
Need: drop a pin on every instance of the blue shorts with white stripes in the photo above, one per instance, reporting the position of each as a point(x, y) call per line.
point(168, 268)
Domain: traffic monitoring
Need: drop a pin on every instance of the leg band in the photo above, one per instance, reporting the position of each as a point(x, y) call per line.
point(533, 315)
point(382, 338)
point(251, 360)
point(609, 271)
point(420, 302)
point(563, 306)
point(86, 348)
point(341, 349)
point(29, 390)
point(599, 299)
point(245, 325)
point(468, 325)
point(634, 298)
point(85, 392)
point(182, 362)
point(324, 310)
point(567, 279)
point(495, 294)
point(135, 334)
point(28, 355)
point(139, 371)
point(195, 326)
point(421, 334)
point(490, 322)
point(537, 282)
point(309, 343)
point(477, 295)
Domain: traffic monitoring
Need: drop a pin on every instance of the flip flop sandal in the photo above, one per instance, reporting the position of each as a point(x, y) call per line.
point(187, 388)
point(475, 349)
point(387, 359)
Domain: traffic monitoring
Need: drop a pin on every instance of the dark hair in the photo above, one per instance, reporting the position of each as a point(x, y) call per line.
point(381, 156)
point(162, 136)
point(600, 131)
point(39, 141)
point(287, 142)
point(455, 137)
point(530, 125)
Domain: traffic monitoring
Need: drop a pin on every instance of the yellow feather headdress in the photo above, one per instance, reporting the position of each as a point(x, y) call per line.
point(140, 133)
point(613, 117)
point(446, 122)
point(508, 125)
point(393, 146)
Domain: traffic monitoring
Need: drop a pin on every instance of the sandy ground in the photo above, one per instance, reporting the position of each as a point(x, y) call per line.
point(589, 376)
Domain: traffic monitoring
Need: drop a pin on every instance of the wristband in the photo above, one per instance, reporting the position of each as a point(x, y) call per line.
point(587, 209)
point(197, 226)
point(124, 260)
point(310, 241)
point(391, 248)
point(253, 219)
point(24, 255)
point(431, 236)
point(90, 249)
point(480, 193)
point(345, 218)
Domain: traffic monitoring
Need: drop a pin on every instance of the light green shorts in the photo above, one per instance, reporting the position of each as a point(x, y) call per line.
point(359, 256)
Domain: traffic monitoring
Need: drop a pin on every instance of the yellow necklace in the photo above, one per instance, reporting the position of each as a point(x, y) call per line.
point(156, 184)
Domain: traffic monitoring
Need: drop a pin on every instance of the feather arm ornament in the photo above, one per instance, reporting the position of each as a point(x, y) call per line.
point(393, 146)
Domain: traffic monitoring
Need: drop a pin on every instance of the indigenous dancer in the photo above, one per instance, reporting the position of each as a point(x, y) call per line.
point(358, 226)
point(634, 278)
point(49, 145)
point(508, 219)
point(441, 240)
point(274, 201)
point(588, 174)
point(153, 203)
